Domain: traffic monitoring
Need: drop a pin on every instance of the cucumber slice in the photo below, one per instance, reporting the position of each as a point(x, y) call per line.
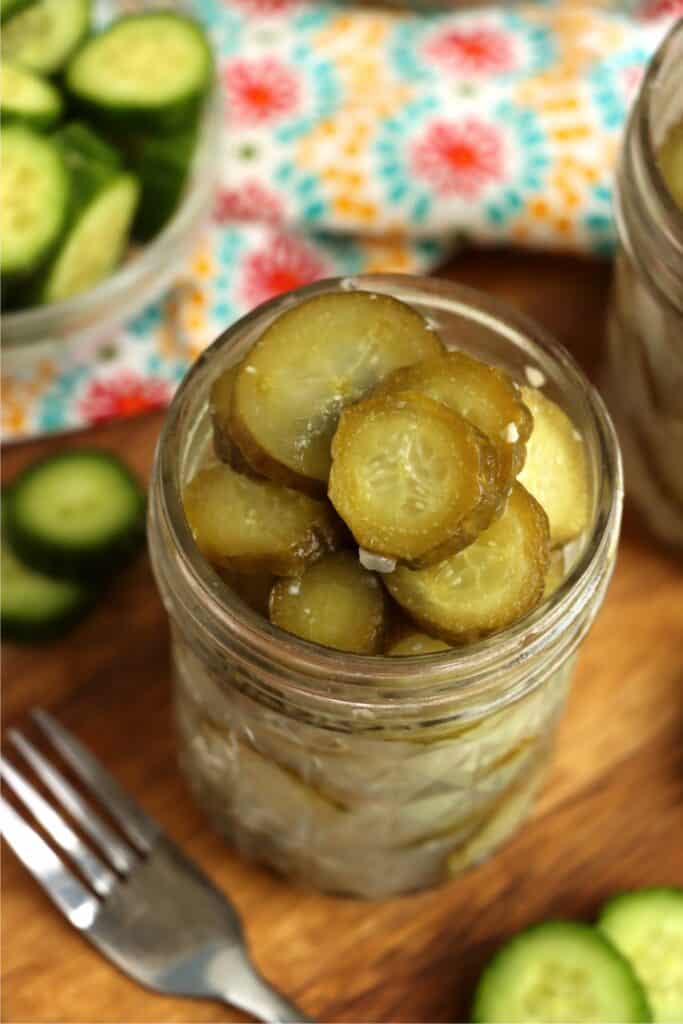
point(28, 99)
point(490, 585)
point(34, 607)
point(484, 395)
point(8, 8)
point(311, 362)
point(163, 166)
point(411, 479)
point(76, 514)
point(336, 603)
point(416, 643)
point(44, 36)
point(559, 972)
point(34, 199)
point(252, 525)
point(647, 927)
point(152, 70)
point(96, 240)
point(555, 470)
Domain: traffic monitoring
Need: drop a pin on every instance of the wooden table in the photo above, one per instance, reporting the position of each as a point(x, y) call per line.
point(611, 816)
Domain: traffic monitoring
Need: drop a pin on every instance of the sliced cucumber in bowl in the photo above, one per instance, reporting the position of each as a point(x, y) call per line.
point(149, 70)
point(27, 98)
point(34, 200)
point(44, 35)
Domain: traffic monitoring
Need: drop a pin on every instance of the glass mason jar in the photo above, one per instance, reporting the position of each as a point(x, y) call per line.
point(643, 377)
point(373, 776)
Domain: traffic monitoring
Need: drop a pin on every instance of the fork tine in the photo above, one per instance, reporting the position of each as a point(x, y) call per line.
point(72, 898)
point(137, 825)
point(120, 856)
point(94, 871)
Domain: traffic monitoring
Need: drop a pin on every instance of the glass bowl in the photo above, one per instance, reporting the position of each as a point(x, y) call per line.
point(31, 335)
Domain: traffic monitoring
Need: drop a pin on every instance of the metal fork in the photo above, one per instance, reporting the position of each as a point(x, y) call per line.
point(149, 909)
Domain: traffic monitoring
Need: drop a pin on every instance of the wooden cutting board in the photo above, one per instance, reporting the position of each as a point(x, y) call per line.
point(610, 817)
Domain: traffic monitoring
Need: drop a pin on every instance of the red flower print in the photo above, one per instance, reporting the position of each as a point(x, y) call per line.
point(285, 264)
point(459, 158)
point(257, 7)
point(471, 51)
point(251, 201)
point(125, 395)
point(661, 8)
point(260, 90)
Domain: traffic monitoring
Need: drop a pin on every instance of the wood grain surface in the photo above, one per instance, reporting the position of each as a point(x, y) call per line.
point(610, 816)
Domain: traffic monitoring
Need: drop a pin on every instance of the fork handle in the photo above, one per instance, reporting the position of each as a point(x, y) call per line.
point(266, 1004)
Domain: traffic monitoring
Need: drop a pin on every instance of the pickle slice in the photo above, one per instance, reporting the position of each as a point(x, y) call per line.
point(336, 603)
point(253, 587)
point(411, 479)
point(308, 365)
point(416, 643)
point(249, 525)
point(220, 404)
point(484, 395)
point(555, 470)
point(490, 585)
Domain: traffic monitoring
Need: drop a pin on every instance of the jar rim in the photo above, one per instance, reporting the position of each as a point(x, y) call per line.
point(475, 666)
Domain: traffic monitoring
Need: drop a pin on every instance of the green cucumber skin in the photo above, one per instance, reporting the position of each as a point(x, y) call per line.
point(88, 563)
point(8, 8)
point(163, 166)
point(177, 116)
point(80, 143)
point(642, 1013)
point(18, 630)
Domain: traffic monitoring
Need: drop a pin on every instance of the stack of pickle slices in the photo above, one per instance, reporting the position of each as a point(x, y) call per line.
point(376, 493)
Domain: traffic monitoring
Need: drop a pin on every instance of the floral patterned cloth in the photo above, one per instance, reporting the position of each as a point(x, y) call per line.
point(360, 139)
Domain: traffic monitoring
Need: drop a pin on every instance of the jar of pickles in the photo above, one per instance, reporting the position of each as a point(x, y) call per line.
point(367, 688)
point(643, 378)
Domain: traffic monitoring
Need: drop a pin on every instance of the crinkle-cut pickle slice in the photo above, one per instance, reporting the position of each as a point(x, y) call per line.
point(416, 643)
point(555, 470)
point(336, 603)
point(308, 365)
point(411, 479)
point(490, 585)
point(245, 524)
point(483, 394)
